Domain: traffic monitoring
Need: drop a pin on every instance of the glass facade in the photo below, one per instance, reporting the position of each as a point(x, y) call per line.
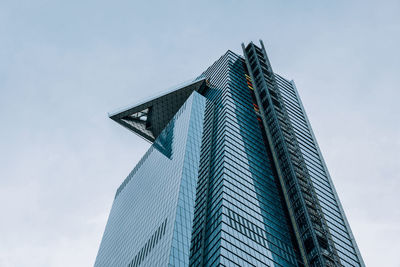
point(243, 220)
point(235, 178)
point(151, 217)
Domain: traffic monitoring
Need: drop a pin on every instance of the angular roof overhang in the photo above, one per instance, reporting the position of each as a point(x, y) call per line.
point(148, 119)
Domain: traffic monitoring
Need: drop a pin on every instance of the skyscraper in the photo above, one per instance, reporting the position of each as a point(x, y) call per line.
point(234, 177)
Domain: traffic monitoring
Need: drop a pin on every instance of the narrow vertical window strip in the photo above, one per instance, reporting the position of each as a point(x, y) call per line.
point(149, 245)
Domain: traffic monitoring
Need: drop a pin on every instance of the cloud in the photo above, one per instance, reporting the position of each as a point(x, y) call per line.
point(63, 66)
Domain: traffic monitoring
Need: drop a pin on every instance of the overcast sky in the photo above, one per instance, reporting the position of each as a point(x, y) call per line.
point(65, 64)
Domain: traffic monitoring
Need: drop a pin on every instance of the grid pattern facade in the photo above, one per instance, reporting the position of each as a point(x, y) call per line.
point(179, 255)
point(240, 217)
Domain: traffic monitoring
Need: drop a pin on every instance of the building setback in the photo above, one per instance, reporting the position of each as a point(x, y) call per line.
point(234, 177)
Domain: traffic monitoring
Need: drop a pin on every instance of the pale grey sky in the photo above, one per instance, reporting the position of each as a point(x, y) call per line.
point(65, 64)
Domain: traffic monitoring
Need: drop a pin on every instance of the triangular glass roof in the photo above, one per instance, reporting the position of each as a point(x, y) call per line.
point(148, 119)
